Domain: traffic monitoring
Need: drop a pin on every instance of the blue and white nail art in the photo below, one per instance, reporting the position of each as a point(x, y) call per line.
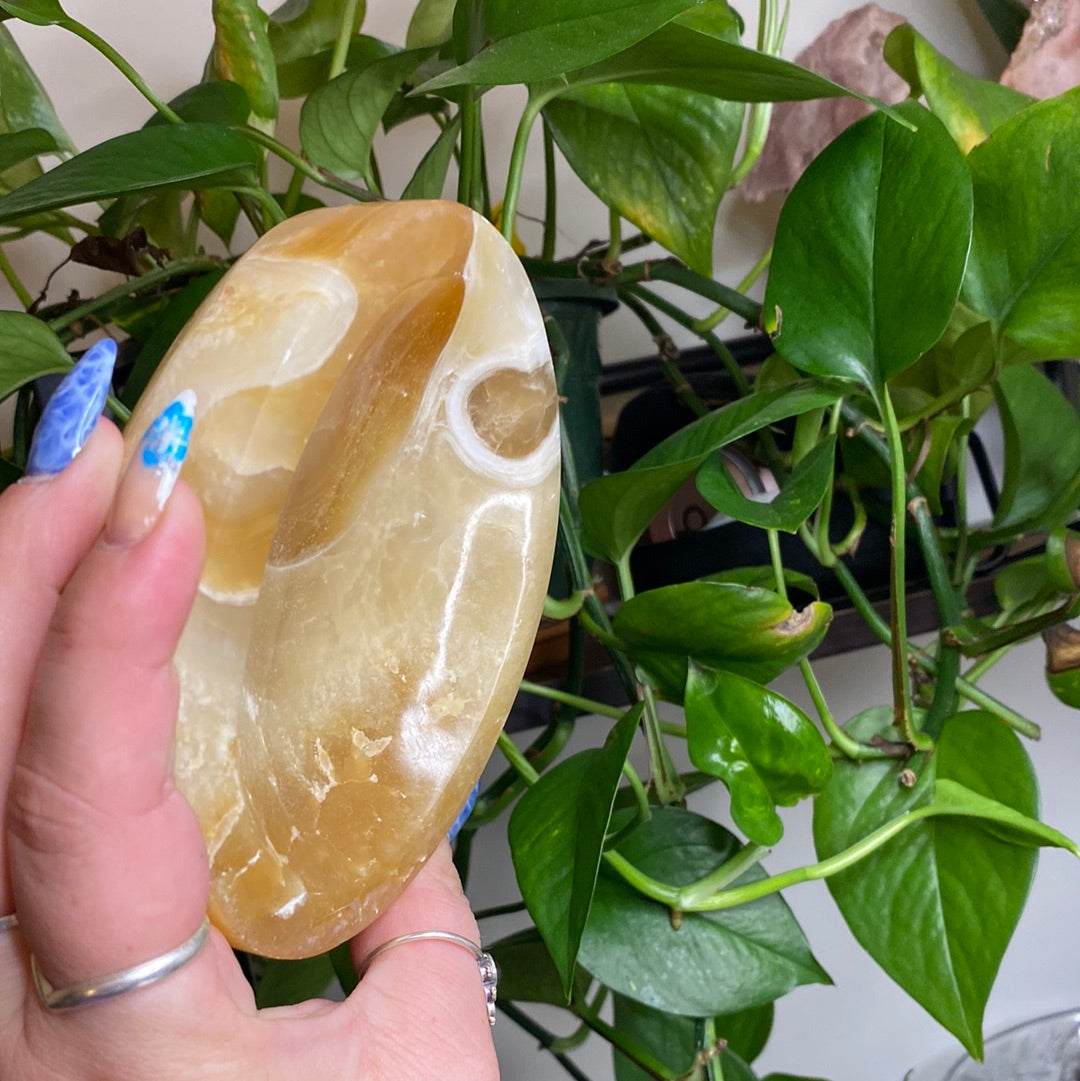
point(164, 446)
point(464, 813)
point(72, 411)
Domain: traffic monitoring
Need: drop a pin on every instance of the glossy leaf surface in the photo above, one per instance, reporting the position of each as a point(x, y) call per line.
point(186, 156)
point(21, 145)
point(870, 250)
point(716, 962)
point(682, 145)
point(241, 54)
point(671, 1038)
point(616, 509)
point(556, 834)
point(789, 508)
point(338, 122)
point(936, 907)
point(39, 12)
point(1041, 484)
point(970, 108)
point(752, 632)
point(430, 176)
point(527, 43)
point(763, 747)
point(1024, 272)
point(28, 349)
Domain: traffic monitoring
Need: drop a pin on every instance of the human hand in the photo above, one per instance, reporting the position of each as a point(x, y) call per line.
point(102, 858)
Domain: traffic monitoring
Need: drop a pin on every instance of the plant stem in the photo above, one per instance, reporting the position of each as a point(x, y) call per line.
point(551, 196)
point(975, 695)
point(517, 760)
point(516, 171)
point(665, 777)
point(615, 232)
point(901, 677)
point(345, 32)
point(17, 287)
point(129, 288)
point(642, 1059)
point(543, 1037)
point(582, 705)
point(711, 322)
point(749, 856)
point(668, 270)
point(280, 150)
point(272, 214)
point(293, 193)
point(125, 69)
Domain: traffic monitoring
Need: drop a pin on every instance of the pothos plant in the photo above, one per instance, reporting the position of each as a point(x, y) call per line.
point(923, 269)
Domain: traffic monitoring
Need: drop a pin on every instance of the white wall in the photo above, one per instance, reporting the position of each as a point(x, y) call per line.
point(863, 1029)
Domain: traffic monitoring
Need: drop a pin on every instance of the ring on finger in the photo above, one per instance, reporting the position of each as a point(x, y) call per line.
point(100, 988)
point(489, 974)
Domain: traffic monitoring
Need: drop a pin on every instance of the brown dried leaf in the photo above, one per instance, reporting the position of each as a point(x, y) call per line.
point(848, 51)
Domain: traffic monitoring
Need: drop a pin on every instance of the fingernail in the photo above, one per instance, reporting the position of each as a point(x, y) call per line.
point(72, 411)
point(464, 813)
point(151, 474)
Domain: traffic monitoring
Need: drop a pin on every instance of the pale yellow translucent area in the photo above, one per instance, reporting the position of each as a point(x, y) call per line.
point(332, 728)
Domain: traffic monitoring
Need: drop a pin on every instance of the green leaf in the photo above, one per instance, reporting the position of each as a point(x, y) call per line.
point(338, 122)
point(39, 12)
point(528, 43)
point(682, 145)
point(970, 108)
point(1041, 484)
point(24, 105)
point(716, 962)
point(301, 28)
point(28, 350)
point(789, 508)
point(670, 1038)
point(938, 462)
point(284, 983)
point(937, 906)
point(187, 156)
point(1024, 271)
point(764, 749)
point(680, 54)
point(528, 974)
point(241, 54)
point(431, 23)
point(213, 102)
point(303, 76)
point(557, 832)
point(870, 250)
point(752, 632)
point(616, 509)
point(764, 577)
point(430, 176)
point(21, 145)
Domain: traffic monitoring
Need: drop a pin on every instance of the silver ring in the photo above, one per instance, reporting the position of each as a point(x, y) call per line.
point(8, 923)
point(489, 974)
point(118, 983)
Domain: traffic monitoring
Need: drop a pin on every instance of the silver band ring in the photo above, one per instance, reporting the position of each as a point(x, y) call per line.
point(8, 923)
point(118, 983)
point(489, 974)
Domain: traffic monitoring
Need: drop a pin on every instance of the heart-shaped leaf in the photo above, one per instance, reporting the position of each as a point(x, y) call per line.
point(788, 508)
point(187, 156)
point(28, 350)
point(764, 748)
point(937, 906)
point(557, 832)
point(716, 962)
point(752, 632)
point(338, 122)
point(970, 108)
point(616, 509)
point(870, 250)
point(1024, 272)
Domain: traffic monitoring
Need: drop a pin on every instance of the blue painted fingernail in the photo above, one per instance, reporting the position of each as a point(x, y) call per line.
point(72, 411)
point(463, 815)
point(151, 474)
